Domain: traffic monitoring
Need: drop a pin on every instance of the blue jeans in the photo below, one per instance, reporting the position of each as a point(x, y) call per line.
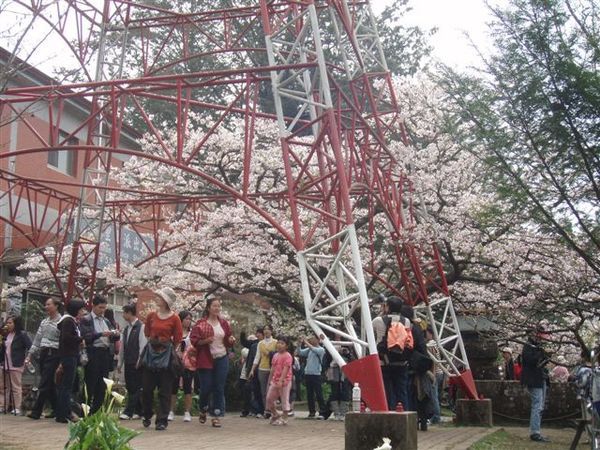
point(437, 411)
point(65, 388)
point(212, 383)
point(538, 397)
point(395, 382)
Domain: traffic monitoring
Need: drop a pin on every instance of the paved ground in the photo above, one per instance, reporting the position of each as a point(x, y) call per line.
point(21, 433)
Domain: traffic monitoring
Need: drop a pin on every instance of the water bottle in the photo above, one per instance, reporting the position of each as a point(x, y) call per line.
point(356, 398)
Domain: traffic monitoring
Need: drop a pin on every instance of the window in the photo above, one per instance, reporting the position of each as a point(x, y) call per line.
point(64, 160)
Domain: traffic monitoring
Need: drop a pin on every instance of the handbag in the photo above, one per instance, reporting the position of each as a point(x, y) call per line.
point(30, 399)
point(157, 356)
point(176, 364)
point(420, 363)
point(189, 358)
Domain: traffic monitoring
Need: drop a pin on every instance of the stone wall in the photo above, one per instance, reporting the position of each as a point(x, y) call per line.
point(483, 354)
point(510, 400)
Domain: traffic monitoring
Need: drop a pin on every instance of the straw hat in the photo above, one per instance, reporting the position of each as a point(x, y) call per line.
point(168, 295)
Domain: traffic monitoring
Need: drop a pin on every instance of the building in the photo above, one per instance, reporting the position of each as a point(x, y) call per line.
point(33, 214)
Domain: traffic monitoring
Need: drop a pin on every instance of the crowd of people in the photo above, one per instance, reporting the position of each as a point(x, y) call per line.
point(170, 352)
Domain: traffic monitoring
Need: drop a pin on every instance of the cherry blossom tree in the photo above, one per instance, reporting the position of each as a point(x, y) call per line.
point(498, 262)
point(498, 265)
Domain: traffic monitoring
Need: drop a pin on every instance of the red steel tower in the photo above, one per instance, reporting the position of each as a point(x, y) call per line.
point(322, 68)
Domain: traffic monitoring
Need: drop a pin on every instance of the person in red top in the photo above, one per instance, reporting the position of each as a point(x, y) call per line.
point(280, 382)
point(212, 337)
point(164, 332)
point(518, 367)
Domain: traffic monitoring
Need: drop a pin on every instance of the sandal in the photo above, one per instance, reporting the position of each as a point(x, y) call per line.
point(274, 419)
point(216, 423)
point(202, 417)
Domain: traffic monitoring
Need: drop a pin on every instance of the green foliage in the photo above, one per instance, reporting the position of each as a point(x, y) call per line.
point(406, 48)
point(533, 116)
point(32, 313)
point(101, 431)
point(492, 441)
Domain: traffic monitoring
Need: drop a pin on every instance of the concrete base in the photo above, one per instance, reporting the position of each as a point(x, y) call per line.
point(365, 431)
point(474, 412)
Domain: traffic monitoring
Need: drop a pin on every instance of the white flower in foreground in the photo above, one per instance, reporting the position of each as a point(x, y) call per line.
point(386, 445)
point(109, 383)
point(86, 409)
point(118, 397)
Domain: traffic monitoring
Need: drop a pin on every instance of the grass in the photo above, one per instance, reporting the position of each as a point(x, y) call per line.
point(509, 440)
point(495, 441)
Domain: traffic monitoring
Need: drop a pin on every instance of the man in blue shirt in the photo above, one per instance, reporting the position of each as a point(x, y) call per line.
point(314, 355)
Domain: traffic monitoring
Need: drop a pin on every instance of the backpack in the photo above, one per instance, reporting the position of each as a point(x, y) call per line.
point(189, 358)
point(325, 360)
point(398, 342)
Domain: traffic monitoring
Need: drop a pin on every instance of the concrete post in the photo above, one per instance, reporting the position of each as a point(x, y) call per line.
point(365, 431)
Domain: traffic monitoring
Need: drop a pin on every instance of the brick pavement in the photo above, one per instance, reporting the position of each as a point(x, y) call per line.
point(21, 433)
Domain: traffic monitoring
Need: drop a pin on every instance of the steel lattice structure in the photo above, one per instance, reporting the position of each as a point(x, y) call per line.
point(335, 109)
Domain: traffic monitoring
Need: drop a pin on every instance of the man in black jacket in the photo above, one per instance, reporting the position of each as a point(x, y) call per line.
point(251, 406)
point(98, 333)
point(534, 377)
point(253, 383)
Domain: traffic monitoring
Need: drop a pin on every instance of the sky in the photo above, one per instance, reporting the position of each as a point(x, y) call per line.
point(453, 18)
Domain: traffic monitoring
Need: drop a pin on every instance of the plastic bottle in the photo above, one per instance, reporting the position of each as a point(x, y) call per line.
point(356, 398)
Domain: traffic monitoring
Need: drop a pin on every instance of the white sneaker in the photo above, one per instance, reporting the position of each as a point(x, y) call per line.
point(319, 417)
point(124, 416)
point(16, 412)
point(171, 416)
point(136, 417)
point(187, 417)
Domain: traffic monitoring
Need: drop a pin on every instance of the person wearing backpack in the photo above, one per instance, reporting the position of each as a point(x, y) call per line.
point(395, 344)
